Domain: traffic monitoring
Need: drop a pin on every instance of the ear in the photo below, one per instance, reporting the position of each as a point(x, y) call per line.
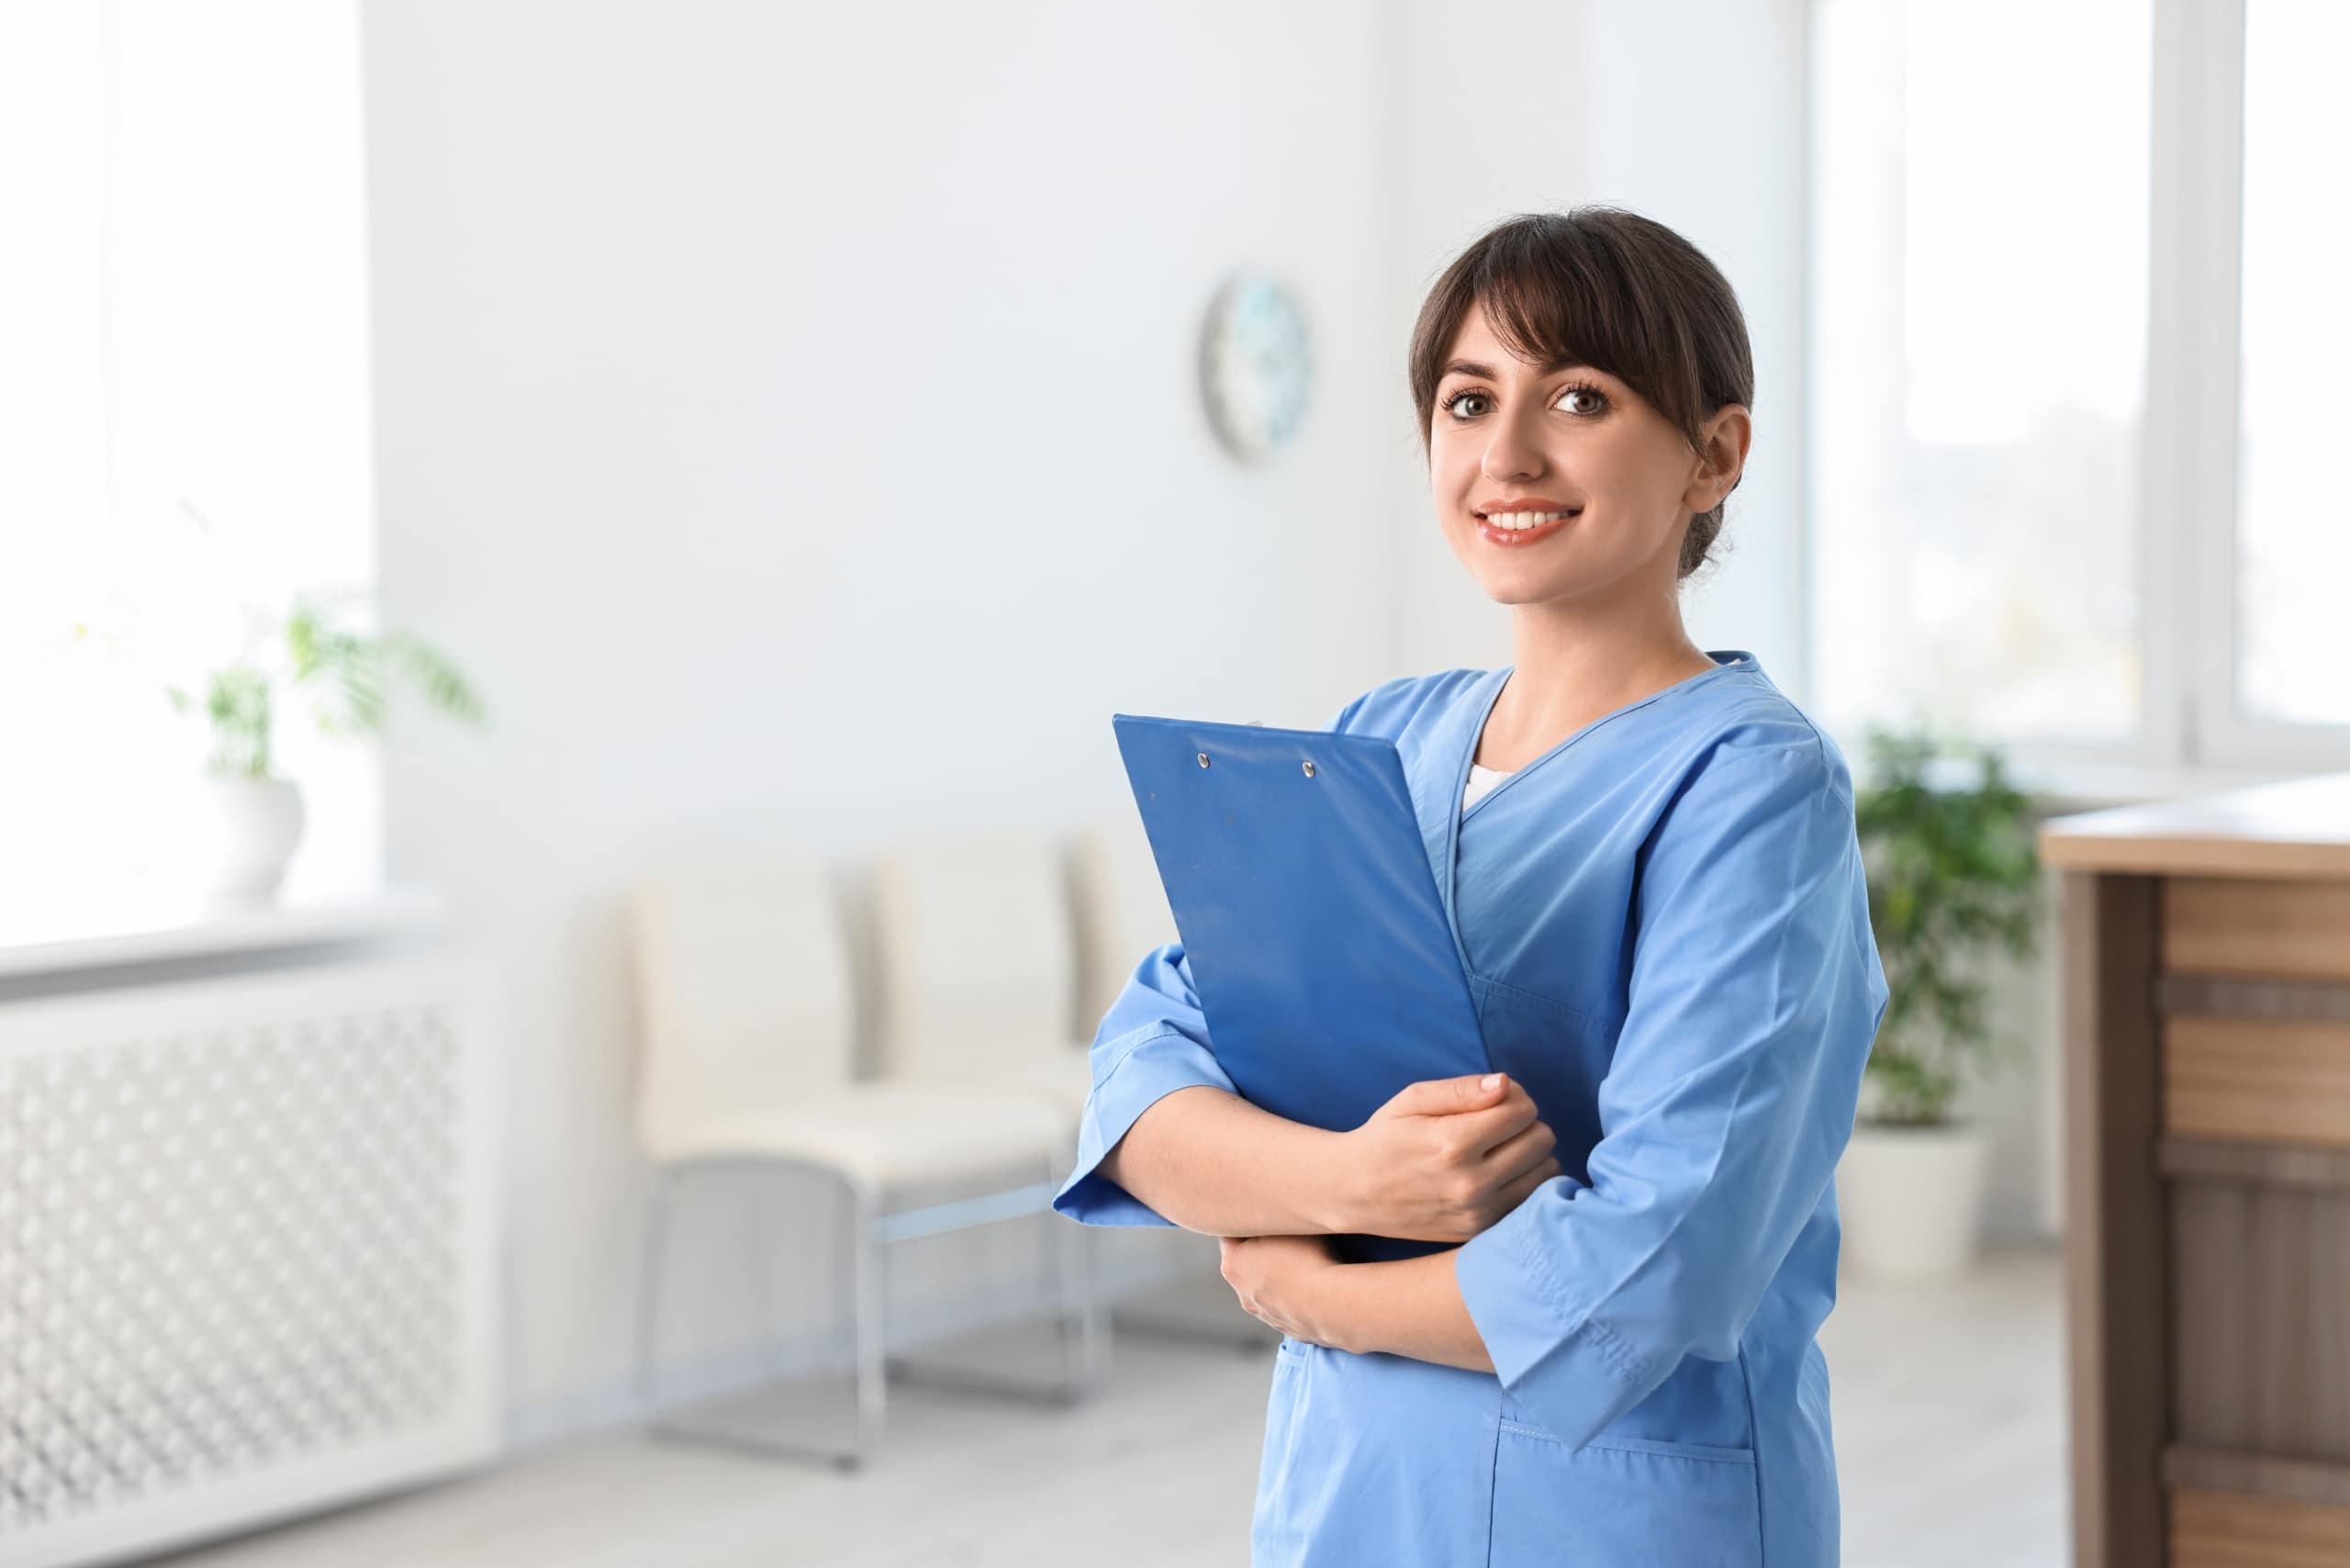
point(1720, 459)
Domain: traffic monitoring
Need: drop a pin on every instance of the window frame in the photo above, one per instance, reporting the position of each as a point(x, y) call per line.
point(2192, 732)
point(2209, 241)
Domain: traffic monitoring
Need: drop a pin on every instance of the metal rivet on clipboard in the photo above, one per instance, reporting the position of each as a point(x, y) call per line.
point(1204, 759)
point(1309, 768)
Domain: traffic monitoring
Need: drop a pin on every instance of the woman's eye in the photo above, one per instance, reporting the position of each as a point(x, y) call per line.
point(1594, 402)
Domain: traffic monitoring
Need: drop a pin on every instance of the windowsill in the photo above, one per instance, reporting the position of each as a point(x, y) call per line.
point(131, 924)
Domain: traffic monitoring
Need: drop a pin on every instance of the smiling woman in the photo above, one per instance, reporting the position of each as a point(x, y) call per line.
point(1608, 336)
point(1660, 910)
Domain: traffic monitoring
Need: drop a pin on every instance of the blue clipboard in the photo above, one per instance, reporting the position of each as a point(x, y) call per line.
point(1294, 867)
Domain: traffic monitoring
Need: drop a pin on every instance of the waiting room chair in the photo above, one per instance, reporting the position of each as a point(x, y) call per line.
point(748, 1036)
point(979, 969)
point(975, 951)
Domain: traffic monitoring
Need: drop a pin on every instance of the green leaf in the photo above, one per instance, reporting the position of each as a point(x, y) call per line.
point(1951, 878)
point(344, 673)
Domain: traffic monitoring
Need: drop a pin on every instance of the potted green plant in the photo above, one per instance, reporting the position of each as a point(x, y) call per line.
point(1952, 878)
point(345, 672)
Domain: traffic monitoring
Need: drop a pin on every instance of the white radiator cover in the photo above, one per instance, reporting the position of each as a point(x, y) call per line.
point(247, 1251)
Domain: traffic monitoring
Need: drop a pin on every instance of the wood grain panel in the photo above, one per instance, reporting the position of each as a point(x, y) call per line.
point(2239, 996)
point(2229, 1529)
point(2256, 1079)
point(2116, 1280)
point(2227, 925)
point(2256, 1474)
point(2260, 1314)
point(2265, 1164)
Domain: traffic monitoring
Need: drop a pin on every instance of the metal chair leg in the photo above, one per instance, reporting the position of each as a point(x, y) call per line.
point(650, 1258)
point(870, 1281)
point(1076, 1322)
point(656, 1426)
point(1082, 1320)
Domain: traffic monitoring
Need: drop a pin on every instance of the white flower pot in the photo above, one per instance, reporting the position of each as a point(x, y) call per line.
point(1911, 1200)
point(249, 828)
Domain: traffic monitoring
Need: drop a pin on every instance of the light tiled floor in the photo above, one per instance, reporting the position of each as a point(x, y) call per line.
point(1950, 1409)
point(1949, 1425)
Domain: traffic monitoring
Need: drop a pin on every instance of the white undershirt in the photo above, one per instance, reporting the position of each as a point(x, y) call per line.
point(1481, 778)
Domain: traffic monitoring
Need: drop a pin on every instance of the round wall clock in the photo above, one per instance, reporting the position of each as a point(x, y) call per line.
point(1256, 365)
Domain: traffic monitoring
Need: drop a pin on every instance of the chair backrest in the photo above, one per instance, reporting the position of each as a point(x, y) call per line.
point(974, 949)
point(1122, 910)
point(745, 999)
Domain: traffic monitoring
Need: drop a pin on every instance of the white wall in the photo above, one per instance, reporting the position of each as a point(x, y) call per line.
point(1487, 117)
point(788, 415)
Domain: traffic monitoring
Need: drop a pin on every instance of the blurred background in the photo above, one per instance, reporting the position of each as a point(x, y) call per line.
point(559, 562)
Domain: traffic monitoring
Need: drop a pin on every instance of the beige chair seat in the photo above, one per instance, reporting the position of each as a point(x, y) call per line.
point(1060, 1079)
point(884, 1135)
point(1064, 1079)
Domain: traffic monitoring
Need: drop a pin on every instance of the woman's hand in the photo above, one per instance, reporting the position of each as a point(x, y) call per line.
point(1275, 1278)
point(1446, 1157)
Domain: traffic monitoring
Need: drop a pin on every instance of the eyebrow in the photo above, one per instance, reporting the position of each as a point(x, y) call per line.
point(1486, 372)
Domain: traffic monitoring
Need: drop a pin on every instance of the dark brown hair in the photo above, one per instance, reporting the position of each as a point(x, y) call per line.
point(1605, 287)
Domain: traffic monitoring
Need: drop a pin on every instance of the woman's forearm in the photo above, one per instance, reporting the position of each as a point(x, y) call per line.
point(1409, 1307)
point(1412, 1306)
point(1215, 1164)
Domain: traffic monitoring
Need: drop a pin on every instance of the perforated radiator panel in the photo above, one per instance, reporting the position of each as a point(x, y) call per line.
point(243, 1253)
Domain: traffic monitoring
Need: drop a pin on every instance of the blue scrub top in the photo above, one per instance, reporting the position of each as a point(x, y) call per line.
point(1665, 927)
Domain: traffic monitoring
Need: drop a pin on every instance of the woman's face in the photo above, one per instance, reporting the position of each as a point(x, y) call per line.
point(1507, 435)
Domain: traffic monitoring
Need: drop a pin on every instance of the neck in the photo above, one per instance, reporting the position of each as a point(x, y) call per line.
point(1574, 659)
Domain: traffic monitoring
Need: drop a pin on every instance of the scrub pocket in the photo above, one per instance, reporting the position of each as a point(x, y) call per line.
point(1272, 1533)
point(1623, 1500)
point(1371, 1460)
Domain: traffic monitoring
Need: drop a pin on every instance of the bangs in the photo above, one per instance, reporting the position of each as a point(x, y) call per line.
point(1589, 287)
point(1556, 304)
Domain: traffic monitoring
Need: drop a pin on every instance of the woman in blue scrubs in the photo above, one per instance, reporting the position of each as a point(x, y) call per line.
point(1648, 855)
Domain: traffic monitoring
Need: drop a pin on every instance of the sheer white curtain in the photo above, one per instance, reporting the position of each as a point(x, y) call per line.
point(2293, 520)
point(2037, 519)
point(1978, 366)
point(183, 407)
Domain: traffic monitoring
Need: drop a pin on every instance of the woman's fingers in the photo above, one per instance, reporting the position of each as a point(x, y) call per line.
point(1522, 1151)
point(1483, 1130)
point(1517, 1191)
point(1448, 1096)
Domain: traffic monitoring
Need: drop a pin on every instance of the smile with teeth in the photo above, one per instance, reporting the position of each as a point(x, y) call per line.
point(1515, 520)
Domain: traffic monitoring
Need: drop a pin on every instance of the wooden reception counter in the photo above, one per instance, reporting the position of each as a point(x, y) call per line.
point(2206, 1042)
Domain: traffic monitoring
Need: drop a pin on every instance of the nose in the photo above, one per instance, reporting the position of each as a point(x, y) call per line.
point(1512, 455)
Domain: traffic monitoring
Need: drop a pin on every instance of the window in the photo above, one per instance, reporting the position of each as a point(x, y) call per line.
point(2292, 544)
point(2040, 517)
point(184, 410)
